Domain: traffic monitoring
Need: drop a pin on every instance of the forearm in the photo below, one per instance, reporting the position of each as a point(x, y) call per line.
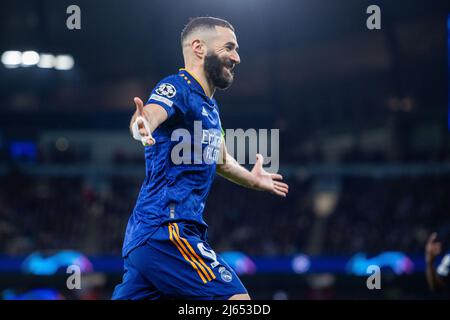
point(230, 169)
point(154, 114)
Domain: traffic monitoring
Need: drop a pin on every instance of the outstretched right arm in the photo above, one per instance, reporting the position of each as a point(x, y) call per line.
point(153, 113)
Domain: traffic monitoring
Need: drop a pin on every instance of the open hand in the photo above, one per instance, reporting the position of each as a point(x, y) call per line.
point(143, 131)
point(268, 181)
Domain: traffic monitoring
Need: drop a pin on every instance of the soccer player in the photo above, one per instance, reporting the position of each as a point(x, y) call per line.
point(437, 278)
point(166, 252)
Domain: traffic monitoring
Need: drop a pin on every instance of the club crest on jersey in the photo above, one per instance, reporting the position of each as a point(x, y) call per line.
point(225, 274)
point(166, 90)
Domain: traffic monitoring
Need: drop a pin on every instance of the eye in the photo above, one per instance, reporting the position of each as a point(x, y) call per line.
point(229, 47)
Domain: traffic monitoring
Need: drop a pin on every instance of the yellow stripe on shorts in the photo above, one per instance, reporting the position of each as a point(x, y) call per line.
point(171, 235)
point(177, 231)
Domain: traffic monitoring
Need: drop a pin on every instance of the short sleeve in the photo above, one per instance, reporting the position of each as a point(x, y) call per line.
point(168, 94)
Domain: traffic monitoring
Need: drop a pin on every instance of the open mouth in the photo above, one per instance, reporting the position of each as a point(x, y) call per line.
point(229, 69)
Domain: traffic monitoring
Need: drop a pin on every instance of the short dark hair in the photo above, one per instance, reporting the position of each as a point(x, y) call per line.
point(203, 22)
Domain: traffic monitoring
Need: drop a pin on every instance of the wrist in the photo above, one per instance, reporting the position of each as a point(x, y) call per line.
point(254, 182)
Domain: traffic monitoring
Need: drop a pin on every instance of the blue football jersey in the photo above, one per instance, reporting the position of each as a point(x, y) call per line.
point(180, 167)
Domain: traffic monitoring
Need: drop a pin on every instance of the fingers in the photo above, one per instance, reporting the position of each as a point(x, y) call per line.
point(284, 191)
point(143, 132)
point(279, 192)
point(432, 237)
point(281, 186)
point(276, 176)
point(139, 105)
point(280, 189)
point(148, 142)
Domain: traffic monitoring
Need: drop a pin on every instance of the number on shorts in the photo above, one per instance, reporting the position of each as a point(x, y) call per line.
point(208, 254)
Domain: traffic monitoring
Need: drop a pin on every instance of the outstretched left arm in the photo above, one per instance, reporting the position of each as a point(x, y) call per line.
point(257, 179)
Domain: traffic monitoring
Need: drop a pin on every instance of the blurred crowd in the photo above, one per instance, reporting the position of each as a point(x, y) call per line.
point(370, 215)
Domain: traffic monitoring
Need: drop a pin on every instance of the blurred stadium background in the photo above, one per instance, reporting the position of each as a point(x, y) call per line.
point(364, 142)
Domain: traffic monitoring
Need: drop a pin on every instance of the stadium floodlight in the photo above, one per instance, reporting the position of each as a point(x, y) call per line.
point(64, 62)
point(11, 59)
point(30, 58)
point(46, 61)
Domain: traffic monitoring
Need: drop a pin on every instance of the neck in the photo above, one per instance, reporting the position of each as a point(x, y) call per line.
point(199, 73)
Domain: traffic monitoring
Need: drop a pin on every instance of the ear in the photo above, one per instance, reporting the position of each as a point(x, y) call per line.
point(199, 48)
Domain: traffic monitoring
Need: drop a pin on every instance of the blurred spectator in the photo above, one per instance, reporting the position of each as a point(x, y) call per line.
point(371, 215)
point(437, 278)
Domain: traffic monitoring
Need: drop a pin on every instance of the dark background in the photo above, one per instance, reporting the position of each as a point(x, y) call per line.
point(362, 117)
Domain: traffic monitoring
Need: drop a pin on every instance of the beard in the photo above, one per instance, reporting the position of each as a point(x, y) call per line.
point(215, 71)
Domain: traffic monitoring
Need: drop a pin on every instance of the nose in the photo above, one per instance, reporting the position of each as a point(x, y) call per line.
point(235, 57)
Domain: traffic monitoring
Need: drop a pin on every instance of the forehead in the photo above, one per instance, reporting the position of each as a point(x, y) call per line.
point(225, 35)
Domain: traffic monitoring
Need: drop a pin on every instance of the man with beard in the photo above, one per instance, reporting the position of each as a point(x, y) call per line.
point(166, 253)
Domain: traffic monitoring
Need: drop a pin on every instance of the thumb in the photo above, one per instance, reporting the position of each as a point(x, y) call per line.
point(259, 160)
point(139, 105)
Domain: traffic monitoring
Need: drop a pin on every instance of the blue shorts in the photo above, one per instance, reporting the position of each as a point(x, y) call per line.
point(177, 263)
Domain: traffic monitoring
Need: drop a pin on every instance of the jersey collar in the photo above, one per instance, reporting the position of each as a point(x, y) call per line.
point(192, 80)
